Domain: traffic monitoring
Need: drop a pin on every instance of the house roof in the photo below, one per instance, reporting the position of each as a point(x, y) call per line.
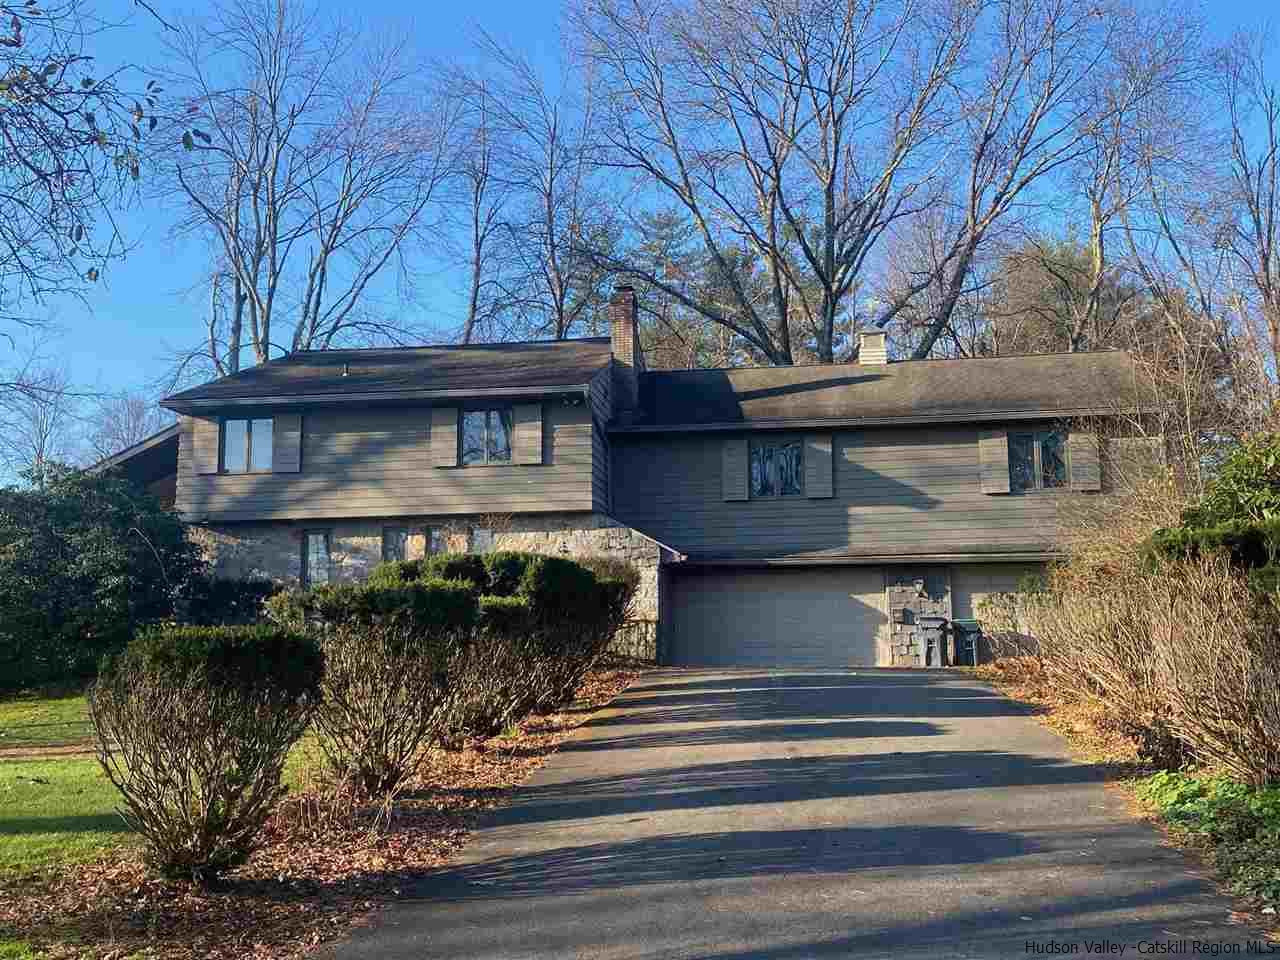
point(147, 460)
point(914, 391)
point(405, 373)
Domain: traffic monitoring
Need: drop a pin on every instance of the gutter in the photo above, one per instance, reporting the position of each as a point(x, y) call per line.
point(197, 404)
point(788, 423)
point(896, 559)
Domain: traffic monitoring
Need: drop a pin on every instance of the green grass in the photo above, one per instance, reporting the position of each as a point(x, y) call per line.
point(54, 812)
point(16, 950)
point(34, 721)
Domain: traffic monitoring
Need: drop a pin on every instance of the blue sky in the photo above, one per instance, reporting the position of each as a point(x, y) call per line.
point(153, 299)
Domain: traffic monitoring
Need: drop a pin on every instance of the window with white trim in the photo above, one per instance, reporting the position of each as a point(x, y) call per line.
point(485, 436)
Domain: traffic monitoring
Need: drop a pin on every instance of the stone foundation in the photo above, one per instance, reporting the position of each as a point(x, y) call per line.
point(273, 550)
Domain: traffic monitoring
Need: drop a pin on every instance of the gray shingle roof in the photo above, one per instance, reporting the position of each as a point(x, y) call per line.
point(911, 391)
point(334, 375)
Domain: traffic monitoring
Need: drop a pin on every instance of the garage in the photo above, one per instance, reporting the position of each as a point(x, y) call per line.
point(827, 617)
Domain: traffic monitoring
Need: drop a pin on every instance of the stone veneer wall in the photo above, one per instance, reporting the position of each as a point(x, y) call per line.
point(273, 550)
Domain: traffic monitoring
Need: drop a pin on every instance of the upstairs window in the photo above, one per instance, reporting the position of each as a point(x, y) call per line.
point(246, 446)
point(777, 469)
point(486, 436)
point(1037, 461)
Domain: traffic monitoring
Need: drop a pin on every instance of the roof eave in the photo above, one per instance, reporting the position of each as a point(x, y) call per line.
point(180, 404)
point(792, 423)
point(141, 447)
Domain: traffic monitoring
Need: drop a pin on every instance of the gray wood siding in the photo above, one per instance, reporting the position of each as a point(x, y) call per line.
point(373, 463)
point(286, 443)
point(897, 491)
point(602, 413)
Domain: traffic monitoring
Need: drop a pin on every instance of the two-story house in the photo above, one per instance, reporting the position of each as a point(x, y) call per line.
point(787, 515)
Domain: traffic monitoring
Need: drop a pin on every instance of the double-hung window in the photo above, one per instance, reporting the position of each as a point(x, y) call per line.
point(486, 436)
point(776, 468)
point(246, 446)
point(1037, 460)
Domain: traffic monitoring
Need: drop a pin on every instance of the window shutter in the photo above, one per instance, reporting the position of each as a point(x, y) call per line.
point(1083, 461)
point(528, 429)
point(205, 432)
point(993, 458)
point(817, 466)
point(444, 436)
point(286, 443)
point(733, 474)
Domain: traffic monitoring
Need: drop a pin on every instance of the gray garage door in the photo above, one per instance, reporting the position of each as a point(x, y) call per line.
point(821, 617)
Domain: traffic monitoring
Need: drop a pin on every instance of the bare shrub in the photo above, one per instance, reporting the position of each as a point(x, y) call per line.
point(194, 725)
point(1095, 644)
point(1217, 648)
point(384, 700)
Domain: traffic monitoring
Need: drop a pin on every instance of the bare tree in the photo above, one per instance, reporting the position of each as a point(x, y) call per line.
point(554, 205)
point(119, 421)
point(38, 418)
point(313, 166)
point(70, 134)
point(795, 132)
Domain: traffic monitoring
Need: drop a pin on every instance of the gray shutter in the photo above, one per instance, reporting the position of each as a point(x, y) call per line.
point(205, 434)
point(993, 457)
point(1083, 461)
point(817, 466)
point(733, 474)
point(527, 446)
point(286, 443)
point(444, 436)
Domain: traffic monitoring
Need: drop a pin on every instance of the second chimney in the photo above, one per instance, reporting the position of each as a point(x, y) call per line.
point(628, 360)
point(872, 350)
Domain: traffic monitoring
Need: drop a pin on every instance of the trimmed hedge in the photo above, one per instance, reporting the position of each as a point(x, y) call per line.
point(224, 601)
point(194, 725)
point(260, 658)
point(522, 628)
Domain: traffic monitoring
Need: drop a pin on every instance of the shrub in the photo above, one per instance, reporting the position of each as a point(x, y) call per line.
point(384, 699)
point(225, 601)
point(1246, 487)
point(194, 725)
point(84, 560)
point(1094, 643)
point(1218, 651)
point(1241, 823)
point(468, 567)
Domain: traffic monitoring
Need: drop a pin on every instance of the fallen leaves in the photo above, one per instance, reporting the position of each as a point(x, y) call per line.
point(326, 863)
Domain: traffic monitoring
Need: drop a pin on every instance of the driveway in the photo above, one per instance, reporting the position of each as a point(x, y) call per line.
point(779, 814)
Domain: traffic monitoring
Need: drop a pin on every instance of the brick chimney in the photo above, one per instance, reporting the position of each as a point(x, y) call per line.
point(628, 360)
point(872, 350)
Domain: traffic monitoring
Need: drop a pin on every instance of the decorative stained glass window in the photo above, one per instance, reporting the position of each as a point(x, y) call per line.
point(777, 468)
point(1037, 460)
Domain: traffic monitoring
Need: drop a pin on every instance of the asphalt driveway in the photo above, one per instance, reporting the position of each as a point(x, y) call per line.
point(778, 814)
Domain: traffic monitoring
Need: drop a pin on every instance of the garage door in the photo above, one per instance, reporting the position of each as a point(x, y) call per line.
point(813, 617)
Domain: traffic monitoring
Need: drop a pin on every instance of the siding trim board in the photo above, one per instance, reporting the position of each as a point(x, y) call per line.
point(921, 420)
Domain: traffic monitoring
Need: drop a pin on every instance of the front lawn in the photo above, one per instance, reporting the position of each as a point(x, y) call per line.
point(55, 811)
point(34, 721)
